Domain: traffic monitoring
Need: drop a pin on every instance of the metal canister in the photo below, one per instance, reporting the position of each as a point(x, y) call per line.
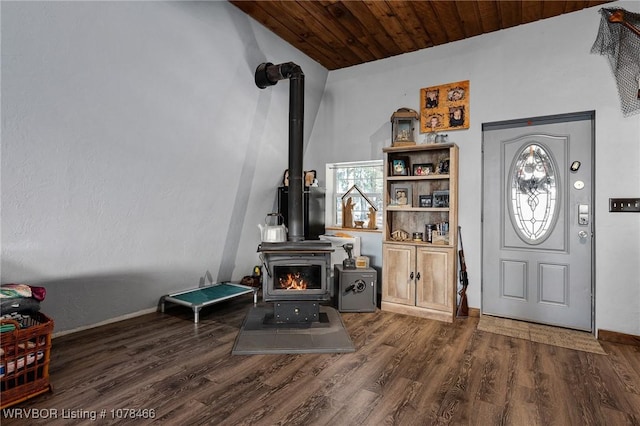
point(428, 232)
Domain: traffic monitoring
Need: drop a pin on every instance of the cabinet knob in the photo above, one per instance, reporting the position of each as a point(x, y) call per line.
point(418, 276)
point(411, 276)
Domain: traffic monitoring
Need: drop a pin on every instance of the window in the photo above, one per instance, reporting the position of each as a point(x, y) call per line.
point(367, 175)
point(534, 193)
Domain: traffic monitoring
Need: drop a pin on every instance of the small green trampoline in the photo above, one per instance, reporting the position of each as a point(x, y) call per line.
point(197, 298)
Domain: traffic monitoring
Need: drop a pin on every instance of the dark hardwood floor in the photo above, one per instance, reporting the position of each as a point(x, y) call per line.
point(405, 371)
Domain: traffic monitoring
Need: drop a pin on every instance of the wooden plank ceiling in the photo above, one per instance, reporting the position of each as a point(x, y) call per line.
point(339, 34)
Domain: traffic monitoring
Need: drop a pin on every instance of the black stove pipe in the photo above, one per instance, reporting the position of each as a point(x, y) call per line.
point(266, 75)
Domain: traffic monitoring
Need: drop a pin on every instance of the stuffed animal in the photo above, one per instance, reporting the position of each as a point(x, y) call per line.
point(254, 280)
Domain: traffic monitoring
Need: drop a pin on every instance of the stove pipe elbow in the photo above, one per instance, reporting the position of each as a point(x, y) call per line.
point(268, 74)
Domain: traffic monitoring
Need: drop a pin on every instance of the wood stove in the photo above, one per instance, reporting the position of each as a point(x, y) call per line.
point(298, 271)
point(297, 279)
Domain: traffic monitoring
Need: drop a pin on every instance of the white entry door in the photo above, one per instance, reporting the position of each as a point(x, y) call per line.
point(537, 215)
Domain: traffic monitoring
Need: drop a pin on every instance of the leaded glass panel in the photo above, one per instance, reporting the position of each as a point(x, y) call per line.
point(534, 190)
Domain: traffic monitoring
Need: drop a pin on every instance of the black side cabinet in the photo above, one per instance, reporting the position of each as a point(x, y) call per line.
point(313, 210)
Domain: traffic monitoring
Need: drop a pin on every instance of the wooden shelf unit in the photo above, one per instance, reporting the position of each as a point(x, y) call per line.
point(420, 278)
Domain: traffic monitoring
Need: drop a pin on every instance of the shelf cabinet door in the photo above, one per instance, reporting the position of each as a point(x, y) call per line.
point(434, 282)
point(398, 264)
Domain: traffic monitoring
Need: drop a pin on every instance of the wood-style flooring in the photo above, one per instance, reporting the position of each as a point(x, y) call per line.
point(405, 371)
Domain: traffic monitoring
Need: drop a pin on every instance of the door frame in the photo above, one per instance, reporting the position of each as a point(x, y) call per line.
point(540, 120)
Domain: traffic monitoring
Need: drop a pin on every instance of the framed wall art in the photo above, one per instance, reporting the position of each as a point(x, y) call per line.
point(444, 107)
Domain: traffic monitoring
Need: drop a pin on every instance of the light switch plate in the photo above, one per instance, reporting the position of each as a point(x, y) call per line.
point(624, 205)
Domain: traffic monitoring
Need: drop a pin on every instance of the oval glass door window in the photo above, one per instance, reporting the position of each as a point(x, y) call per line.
point(534, 193)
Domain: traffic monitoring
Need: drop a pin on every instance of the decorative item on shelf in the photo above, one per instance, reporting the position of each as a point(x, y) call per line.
point(400, 235)
point(429, 230)
point(348, 204)
point(347, 212)
point(443, 166)
point(441, 198)
point(439, 239)
point(309, 178)
point(430, 138)
point(425, 201)
point(401, 195)
point(400, 166)
point(422, 169)
point(362, 262)
point(403, 125)
point(417, 236)
point(441, 234)
point(372, 218)
point(440, 138)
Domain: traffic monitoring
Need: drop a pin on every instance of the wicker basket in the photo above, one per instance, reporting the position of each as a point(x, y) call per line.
point(24, 360)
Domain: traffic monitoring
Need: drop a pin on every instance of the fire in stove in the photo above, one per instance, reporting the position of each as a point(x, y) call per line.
point(298, 277)
point(293, 282)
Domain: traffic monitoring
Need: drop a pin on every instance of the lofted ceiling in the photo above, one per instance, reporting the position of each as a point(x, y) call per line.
point(339, 34)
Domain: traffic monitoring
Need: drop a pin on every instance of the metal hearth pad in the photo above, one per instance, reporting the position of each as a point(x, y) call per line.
point(257, 336)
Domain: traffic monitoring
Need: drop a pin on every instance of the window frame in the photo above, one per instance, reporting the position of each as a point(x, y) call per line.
point(331, 221)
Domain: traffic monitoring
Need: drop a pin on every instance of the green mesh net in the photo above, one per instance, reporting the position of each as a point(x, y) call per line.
point(619, 39)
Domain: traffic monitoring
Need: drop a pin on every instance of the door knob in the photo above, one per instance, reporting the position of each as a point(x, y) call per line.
point(583, 234)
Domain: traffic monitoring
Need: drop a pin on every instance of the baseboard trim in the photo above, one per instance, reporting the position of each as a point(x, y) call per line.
point(616, 337)
point(109, 321)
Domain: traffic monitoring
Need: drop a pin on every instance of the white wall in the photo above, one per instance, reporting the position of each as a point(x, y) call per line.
point(538, 69)
point(138, 156)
